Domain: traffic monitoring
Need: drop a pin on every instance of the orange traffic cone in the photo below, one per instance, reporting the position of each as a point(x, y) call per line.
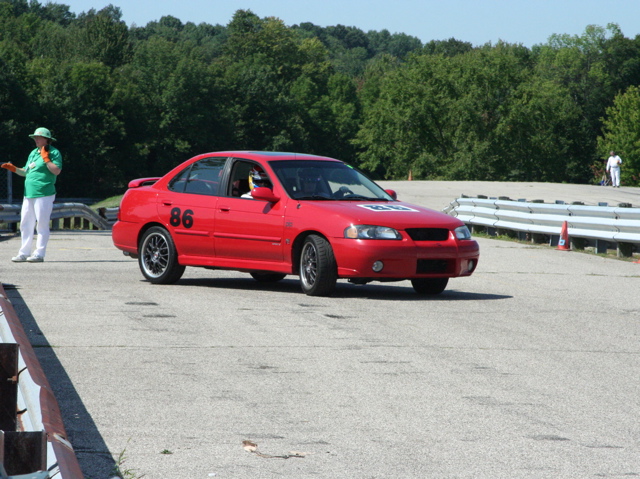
point(410, 176)
point(563, 242)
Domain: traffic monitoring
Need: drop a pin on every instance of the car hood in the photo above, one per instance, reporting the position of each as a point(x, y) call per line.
point(395, 214)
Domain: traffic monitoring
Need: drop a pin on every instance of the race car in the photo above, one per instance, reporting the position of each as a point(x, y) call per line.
point(273, 214)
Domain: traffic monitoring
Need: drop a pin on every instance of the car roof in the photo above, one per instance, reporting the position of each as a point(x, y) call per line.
point(272, 155)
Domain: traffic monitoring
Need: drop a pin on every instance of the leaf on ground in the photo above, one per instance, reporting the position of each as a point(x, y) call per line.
point(249, 446)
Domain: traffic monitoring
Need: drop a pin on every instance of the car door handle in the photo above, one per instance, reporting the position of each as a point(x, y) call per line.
point(226, 209)
point(167, 202)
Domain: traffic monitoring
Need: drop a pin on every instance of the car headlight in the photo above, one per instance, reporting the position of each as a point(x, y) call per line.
point(462, 233)
point(371, 232)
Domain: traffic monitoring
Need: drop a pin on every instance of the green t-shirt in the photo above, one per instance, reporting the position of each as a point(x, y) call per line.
point(39, 181)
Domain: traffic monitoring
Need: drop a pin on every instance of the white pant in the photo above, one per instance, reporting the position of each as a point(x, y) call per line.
point(615, 176)
point(35, 210)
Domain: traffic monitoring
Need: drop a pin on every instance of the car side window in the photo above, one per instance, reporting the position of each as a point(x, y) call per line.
point(239, 181)
point(201, 178)
point(178, 181)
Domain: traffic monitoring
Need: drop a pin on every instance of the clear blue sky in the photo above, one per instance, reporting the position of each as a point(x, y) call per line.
point(528, 22)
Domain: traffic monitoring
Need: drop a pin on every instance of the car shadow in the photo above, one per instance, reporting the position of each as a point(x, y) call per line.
point(90, 448)
point(344, 289)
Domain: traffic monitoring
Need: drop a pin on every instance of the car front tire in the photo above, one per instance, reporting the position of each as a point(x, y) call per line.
point(429, 285)
point(318, 270)
point(158, 258)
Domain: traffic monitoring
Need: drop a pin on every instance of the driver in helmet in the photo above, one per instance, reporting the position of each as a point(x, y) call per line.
point(257, 179)
point(310, 181)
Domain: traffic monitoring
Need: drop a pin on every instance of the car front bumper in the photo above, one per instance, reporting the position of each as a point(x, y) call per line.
point(405, 259)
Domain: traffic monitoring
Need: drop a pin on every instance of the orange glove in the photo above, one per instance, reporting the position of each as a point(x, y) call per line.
point(8, 166)
point(44, 153)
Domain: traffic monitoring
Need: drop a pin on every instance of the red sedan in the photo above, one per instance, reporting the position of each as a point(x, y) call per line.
point(272, 214)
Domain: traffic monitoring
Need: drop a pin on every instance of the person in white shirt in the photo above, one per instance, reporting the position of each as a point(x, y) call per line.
point(613, 166)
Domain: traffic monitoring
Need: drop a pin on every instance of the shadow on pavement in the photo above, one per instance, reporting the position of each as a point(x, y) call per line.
point(91, 451)
point(372, 291)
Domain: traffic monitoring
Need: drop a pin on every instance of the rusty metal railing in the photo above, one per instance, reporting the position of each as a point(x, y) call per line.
point(33, 440)
point(65, 212)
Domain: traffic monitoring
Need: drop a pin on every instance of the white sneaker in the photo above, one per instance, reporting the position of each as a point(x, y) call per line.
point(35, 259)
point(19, 259)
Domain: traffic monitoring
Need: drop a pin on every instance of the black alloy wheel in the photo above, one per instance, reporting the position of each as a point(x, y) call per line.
point(318, 269)
point(158, 258)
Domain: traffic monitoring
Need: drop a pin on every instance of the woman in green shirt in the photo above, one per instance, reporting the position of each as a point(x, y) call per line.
point(43, 167)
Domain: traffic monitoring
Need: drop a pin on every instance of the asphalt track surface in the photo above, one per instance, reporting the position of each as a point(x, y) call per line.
point(527, 369)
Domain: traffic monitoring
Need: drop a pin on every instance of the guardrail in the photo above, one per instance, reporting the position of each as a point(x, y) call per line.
point(33, 441)
point(110, 214)
point(600, 226)
point(76, 215)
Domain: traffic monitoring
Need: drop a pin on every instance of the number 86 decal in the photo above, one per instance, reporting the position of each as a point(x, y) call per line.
point(185, 219)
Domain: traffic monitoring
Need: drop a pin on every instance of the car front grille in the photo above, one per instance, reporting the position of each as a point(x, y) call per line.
point(428, 234)
point(427, 266)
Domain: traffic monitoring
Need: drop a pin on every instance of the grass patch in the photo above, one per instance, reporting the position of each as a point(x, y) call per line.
point(112, 202)
point(120, 472)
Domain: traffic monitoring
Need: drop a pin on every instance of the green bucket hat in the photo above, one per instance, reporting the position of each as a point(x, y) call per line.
point(43, 132)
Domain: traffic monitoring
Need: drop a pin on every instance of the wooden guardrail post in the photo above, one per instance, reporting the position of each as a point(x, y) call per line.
point(8, 386)
point(25, 452)
point(578, 243)
point(625, 250)
point(602, 246)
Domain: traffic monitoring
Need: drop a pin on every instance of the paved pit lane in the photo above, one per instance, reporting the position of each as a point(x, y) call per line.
point(527, 369)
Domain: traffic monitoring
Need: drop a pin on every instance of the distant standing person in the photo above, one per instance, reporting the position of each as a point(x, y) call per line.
point(41, 171)
point(613, 165)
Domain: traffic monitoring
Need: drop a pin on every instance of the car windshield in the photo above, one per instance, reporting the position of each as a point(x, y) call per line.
point(326, 180)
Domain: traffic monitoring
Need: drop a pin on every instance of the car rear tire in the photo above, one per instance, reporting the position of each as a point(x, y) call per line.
point(158, 258)
point(267, 277)
point(429, 285)
point(318, 270)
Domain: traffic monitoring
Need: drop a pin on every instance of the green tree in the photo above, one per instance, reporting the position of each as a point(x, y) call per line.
point(622, 59)
point(141, 101)
point(579, 64)
point(448, 48)
point(271, 71)
point(439, 117)
point(398, 45)
point(621, 133)
point(79, 106)
point(16, 114)
point(536, 134)
point(105, 37)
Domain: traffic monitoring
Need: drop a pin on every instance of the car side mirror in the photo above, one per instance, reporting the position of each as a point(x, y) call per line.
point(392, 193)
point(265, 194)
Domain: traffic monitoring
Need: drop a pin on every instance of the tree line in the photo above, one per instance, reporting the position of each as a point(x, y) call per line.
point(129, 101)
